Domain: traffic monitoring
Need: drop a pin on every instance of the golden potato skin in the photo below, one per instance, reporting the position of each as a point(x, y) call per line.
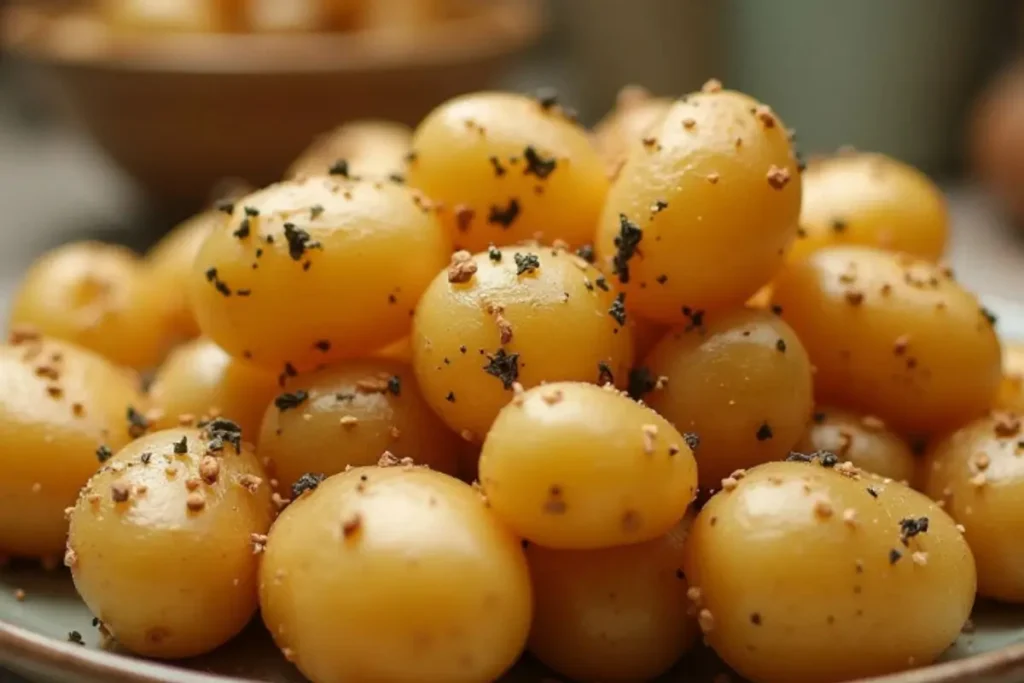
point(507, 168)
point(892, 336)
point(199, 379)
point(861, 439)
point(98, 296)
point(395, 574)
point(702, 212)
point(636, 111)
point(618, 614)
point(348, 415)
point(978, 474)
point(573, 465)
point(161, 542)
point(560, 319)
point(874, 201)
point(372, 149)
point(59, 403)
point(312, 271)
point(801, 575)
point(1011, 388)
point(740, 381)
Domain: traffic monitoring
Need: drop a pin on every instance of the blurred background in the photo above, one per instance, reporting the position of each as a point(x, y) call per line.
point(118, 116)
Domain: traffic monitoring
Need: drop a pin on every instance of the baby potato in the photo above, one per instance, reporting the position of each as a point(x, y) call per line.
point(572, 465)
point(199, 380)
point(861, 439)
point(702, 212)
point(308, 272)
point(893, 336)
point(348, 415)
point(400, 350)
point(804, 574)
point(372, 149)
point(201, 16)
point(508, 168)
point(61, 407)
point(739, 381)
point(98, 296)
point(1011, 389)
point(162, 537)
point(517, 314)
point(977, 473)
point(636, 111)
point(871, 200)
point(395, 574)
point(617, 614)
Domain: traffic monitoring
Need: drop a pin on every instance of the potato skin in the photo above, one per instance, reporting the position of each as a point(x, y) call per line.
point(383, 410)
point(741, 381)
point(892, 336)
point(562, 321)
point(170, 569)
point(546, 180)
point(797, 582)
point(730, 208)
point(618, 614)
point(1011, 388)
point(397, 574)
point(58, 404)
point(371, 252)
point(372, 149)
point(863, 440)
point(573, 465)
point(636, 111)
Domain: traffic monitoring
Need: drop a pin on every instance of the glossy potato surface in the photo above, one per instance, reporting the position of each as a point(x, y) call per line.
point(396, 574)
point(573, 465)
point(372, 149)
point(349, 415)
point(58, 404)
point(508, 168)
point(559, 317)
point(161, 545)
point(702, 212)
point(636, 111)
point(740, 381)
point(1011, 389)
point(618, 614)
point(310, 271)
point(871, 200)
point(801, 575)
point(861, 439)
point(892, 336)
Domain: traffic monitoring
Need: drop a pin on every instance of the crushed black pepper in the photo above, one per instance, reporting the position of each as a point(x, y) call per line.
point(395, 385)
point(601, 283)
point(764, 432)
point(504, 366)
point(499, 170)
point(526, 263)
point(692, 440)
point(137, 423)
point(780, 345)
point(894, 556)
point(504, 216)
point(181, 447)
point(604, 373)
point(872, 492)
point(536, 164)
point(586, 252)
point(661, 279)
point(838, 225)
point(75, 637)
point(659, 206)
point(145, 458)
point(290, 400)
point(641, 382)
point(911, 526)
point(243, 229)
point(221, 286)
point(103, 453)
point(618, 309)
point(626, 243)
point(298, 241)
point(450, 397)
point(307, 482)
point(315, 211)
point(225, 206)
point(494, 253)
point(695, 318)
point(547, 98)
point(323, 345)
point(339, 167)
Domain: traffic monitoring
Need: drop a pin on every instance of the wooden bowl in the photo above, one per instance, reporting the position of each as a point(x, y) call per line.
point(178, 112)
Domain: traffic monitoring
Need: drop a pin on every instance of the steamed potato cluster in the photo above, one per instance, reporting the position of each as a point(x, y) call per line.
point(687, 386)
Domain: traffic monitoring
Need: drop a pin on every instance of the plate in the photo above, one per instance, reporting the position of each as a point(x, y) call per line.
point(34, 632)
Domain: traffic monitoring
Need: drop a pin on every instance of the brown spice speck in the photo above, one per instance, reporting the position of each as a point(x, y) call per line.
point(209, 469)
point(351, 525)
point(349, 421)
point(712, 178)
point(462, 267)
point(765, 115)
point(823, 509)
point(195, 501)
point(854, 297)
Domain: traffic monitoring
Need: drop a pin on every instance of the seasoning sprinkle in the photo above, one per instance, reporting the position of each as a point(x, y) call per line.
point(461, 268)
point(504, 366)
point(626, 244)
point(504, 216)
point(103, 453)
point(307, 482)
point(618, 309)
point(536, 164)
point(526, 263)
point(290, 400)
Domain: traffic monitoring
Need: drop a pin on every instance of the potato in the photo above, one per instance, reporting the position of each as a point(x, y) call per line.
point(573, 465)
point(98, 296)
point(1011, 389)
point(372, 149)
point(804, 574)
point(618, 614)
point(703, 210)
point(61, 407)
point(395, 574)
point(312, 271)
point(636, 111)
point(200, 16)
point(507, 168)
point(892, 336)
point(400, 350)
point(198, 380)
point(861, 439)
point(517, 314)
point(349, 415)
point(977, 473)
point(162, 537)
point(874, 201)
point(740, 381)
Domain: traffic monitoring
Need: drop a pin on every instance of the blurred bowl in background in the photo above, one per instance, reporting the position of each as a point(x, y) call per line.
point(997, 139)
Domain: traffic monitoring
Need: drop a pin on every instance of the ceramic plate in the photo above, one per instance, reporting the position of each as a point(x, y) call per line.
point(34, 632)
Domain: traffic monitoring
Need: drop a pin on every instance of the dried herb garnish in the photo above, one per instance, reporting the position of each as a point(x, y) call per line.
point(912, 526)
point(504, 366)
point(526, 263)
point(536, 164)
point(780, 345)
point(641, 382)
point(395, 385)
point(307, 482)
point(694, 316)
point(894, 556)
point(795, 456)
point(225, 206)
point(618, 309)
point(499, 170)
point(494, 253)
point(827, 459)
point(450, 397)
point(838, 225)
point(181, 447)
point(103, 453)
point(315, 211)
point(137, 423)
point(221, 286)
point(764, 432)
point(586, 252)
point(339, 167)
point(626, 243)
point(602, 283)
point(290, 400)
point(145, 458)
point(75, 637)
point(692, 440)
point(872, 492)
point(604, 373)
point(658, 206)
point(243, 229)
point(298, 241)
point(504, 216)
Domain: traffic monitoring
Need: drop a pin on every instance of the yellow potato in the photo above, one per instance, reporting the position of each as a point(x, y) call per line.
point(372, 149)
point(573, 465)
point(61, 408)
point(400, 350)
point(803, 574)
point(618, 614)
point(202, 16)
point(874, 201)
point(1011, 388)
point(312, 271)
point(508, 168)
point(740, 381)
point(517, 314)
point(162, 539)
point(861, 439)
point(636, 111)
point(892, 336)
point(395, 574)
point(703, 210)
